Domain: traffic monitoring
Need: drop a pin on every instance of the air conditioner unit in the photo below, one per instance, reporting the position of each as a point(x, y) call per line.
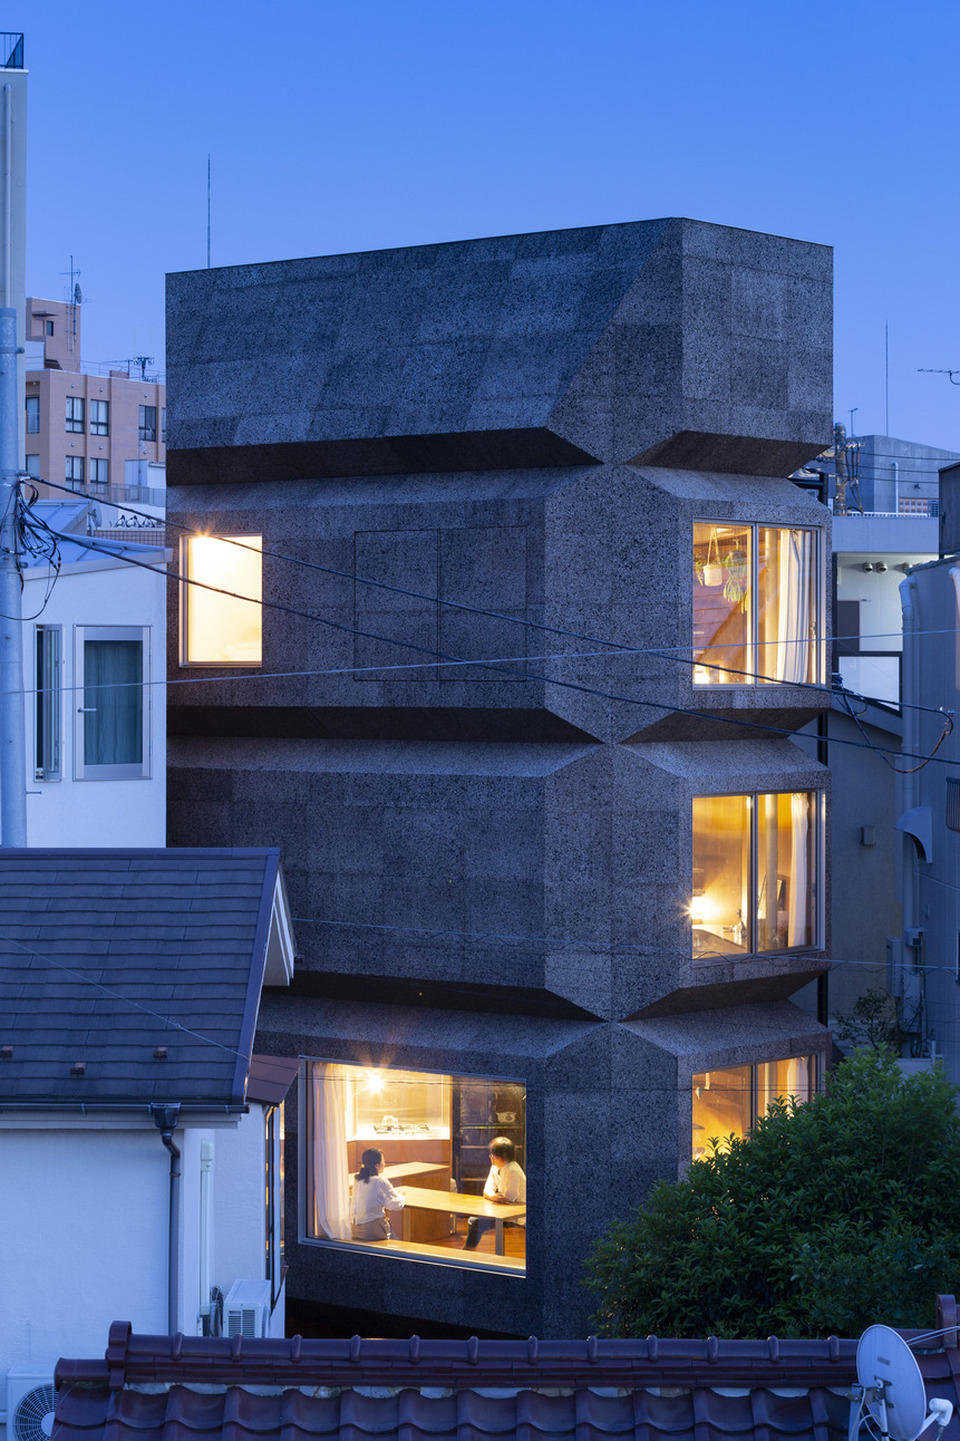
point(246, 1311)
point(31, 1400)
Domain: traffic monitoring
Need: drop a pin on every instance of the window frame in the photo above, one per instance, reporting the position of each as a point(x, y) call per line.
point(75, 482)
point(76, 415)
point(126, 770)
point(48, 704)
point(460, 1259)
point(99, 426)
point(147, 432)
point(96, 461)
point(818, 808)
point(753, 679)
point(32, 410)
point(815, 1062)
point(189, 585)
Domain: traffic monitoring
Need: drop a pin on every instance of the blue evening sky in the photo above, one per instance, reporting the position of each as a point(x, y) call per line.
point(365, 124)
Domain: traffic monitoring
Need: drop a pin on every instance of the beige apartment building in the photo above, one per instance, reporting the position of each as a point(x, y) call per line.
point(101, 435)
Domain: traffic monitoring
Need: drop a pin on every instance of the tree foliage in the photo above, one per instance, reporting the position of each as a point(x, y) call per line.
point(831, 1215)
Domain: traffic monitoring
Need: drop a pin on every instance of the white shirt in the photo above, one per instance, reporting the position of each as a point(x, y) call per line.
point(510, 1184)
point(370, 1197)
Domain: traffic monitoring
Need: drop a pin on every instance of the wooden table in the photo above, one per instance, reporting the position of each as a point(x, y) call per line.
point(427, 1226)
point(456, 1203)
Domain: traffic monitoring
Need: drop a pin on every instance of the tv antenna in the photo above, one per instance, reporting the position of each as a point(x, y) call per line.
point(890, 1393)
point(925, 370)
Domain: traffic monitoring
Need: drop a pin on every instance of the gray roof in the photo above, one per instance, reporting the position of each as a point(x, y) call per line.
point(109, 958)
point(548, 349)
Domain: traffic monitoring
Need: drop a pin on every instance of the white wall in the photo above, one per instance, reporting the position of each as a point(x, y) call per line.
point(72, 812)
point(84, 1230)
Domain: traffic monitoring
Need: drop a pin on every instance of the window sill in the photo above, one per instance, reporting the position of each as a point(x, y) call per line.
point(420, 1251)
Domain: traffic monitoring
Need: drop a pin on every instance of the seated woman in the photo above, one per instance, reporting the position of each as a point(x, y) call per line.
point(371, 1192)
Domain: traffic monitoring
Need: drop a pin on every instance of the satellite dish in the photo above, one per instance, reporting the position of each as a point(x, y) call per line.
point(893, 1393)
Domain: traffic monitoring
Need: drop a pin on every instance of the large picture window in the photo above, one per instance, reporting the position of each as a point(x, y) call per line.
point(755, 873)
point(728, 1102)
point(453, 1150)
point(756, 604)
point(112, 722)
point(221, 600)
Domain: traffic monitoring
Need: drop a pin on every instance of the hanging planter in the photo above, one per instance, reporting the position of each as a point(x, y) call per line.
point(735, 586)
point(712, 573)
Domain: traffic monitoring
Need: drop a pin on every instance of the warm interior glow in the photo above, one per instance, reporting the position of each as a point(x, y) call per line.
point(727, 1102)
point(224, 629)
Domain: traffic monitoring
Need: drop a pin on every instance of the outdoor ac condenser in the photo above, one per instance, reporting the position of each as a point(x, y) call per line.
point(30, 1405)
point(246, 1311)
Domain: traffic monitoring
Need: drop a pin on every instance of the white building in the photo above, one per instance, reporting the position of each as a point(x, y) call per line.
point(140, 1140)
point(94, 628)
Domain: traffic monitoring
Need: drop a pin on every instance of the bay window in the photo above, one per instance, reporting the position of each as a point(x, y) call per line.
point(435, 1133)
point(728, 1102)
point(756, 604)
point(755, 873)
point(221, 600)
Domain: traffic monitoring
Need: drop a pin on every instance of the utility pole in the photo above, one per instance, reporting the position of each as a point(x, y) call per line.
point(13, 760)
point(840, 469)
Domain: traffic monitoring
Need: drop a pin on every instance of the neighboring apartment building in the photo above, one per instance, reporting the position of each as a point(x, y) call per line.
point(101, 435)
point(94, 653)
point(522, 616)
point(927, 973)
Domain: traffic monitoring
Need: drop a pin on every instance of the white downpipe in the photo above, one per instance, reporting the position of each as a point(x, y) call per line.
point(206, 1180)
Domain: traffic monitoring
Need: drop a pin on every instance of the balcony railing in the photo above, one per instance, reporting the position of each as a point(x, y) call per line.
point(11, 46)
point(121, 495)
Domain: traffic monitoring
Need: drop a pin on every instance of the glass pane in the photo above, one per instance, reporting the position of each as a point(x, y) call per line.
point(434, 1133)
point(113, 702)
point(48, 702)
point(722, 1107)
point(222, 628)
point(787, 606)
point(721, 604)
point(778, 1080)
point(786, 864)
point(720, 901)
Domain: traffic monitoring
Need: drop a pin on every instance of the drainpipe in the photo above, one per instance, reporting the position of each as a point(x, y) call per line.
point(911, 746)
point(166, 1119)
point(206, 1166)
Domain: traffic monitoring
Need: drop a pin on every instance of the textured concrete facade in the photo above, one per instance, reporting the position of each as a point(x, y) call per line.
point(476, 470)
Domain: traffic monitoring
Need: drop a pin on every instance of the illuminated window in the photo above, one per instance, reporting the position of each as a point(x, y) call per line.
point(755, 873)
point(756, 611)
point(222, 628)
point(435, 1133)
point(727, 1103)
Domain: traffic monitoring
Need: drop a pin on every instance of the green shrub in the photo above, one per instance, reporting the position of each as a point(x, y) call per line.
point(831, 1215)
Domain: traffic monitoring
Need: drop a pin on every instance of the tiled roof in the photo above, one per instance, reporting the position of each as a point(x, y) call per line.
point(131, 976)
point(146, 1389)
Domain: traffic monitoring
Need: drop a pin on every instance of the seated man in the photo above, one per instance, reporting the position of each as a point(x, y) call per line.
point(505, 1184)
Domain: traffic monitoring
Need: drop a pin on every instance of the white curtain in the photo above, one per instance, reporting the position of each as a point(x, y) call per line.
point(798, 897)
point(327, 1159)
point(794, 586)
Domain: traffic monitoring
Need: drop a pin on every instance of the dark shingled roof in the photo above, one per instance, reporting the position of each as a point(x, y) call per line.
point(649, 1389)
point(131, 976)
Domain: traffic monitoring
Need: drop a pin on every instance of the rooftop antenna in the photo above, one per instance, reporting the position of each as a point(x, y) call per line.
point(891, 1397)
point(922, 370)
point(74, 299)
point(886, 377)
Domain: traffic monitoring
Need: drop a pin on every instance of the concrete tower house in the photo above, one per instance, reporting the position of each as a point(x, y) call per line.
point(497, 616)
